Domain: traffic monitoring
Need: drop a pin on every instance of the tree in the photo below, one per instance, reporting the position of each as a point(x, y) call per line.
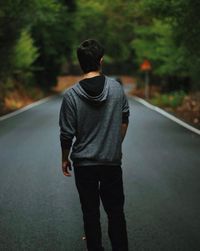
point(184, 19)
point(112, 23)
point(52, 32)
point(24, 55)
point(14, 16)
point(156, 43)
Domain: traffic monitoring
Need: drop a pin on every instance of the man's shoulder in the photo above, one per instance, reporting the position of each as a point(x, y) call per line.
point(114, 84)
point(113, 81)
point(69, 91)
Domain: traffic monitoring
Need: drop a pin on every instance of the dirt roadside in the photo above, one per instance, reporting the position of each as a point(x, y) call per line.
point(188, 110)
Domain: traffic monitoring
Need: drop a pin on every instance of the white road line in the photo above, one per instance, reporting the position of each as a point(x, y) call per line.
point(25, 108)
point(166, 114)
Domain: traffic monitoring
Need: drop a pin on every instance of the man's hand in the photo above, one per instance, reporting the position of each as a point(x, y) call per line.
point(66, 167)
point(124, 127)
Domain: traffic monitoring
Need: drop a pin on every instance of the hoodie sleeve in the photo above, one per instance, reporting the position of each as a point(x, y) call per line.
point(67, 123)
point(125, 109)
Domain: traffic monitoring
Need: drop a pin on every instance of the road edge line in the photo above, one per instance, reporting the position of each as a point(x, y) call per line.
point(166, 114)
point(27, 107)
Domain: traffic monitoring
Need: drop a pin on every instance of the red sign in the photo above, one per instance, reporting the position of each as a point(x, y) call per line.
point(146, 65)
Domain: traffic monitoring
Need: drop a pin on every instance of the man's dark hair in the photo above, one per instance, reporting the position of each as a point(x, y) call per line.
point(89, 55)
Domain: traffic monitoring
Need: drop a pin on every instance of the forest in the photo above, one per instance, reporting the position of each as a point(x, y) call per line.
point(38, 40)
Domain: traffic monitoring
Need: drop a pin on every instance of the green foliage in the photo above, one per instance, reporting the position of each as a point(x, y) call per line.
point(165, 32)
point(50, 25)
point(184, 19)
point(173, 99)
point(52, 31)
point(14, 16)
point(25, 53)
point(110, 23)
point(155, 42)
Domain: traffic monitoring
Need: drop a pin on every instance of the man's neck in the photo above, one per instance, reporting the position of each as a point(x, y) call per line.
point(92, 74)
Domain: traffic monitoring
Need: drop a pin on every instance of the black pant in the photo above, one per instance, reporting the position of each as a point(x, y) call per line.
point(105, 182)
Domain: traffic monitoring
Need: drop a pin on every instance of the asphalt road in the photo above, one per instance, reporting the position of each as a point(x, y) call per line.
point(39, 206)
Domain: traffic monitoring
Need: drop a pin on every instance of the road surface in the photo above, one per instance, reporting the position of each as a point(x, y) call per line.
point(39, 206)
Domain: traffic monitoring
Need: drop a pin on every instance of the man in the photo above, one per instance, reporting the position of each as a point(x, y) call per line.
point(95, 111)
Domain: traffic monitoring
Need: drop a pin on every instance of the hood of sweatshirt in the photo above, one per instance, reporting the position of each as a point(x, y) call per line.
point(95, 100)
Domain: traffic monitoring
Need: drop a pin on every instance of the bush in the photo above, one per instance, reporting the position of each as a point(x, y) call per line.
point(25, 53)
point(172, 100)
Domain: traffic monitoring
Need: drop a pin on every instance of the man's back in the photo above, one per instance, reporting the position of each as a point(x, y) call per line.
point(97, 121)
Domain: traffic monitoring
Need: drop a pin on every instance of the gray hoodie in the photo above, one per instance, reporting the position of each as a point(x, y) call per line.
point(95, 122)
